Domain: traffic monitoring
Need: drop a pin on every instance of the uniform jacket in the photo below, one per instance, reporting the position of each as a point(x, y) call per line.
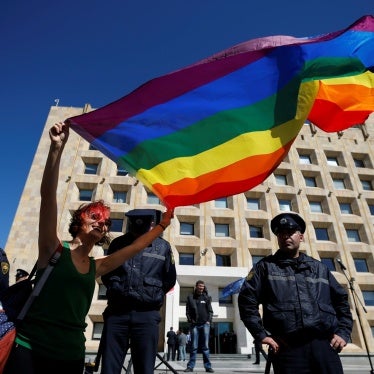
point(297, 297)
point(191, 308)
point(141, 282)
point(4, 271)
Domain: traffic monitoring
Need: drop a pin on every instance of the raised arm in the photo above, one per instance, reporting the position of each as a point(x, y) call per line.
point(48, 239)
point(108, 263)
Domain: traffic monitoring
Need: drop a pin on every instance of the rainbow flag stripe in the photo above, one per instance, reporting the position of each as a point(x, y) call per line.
point(221, 126)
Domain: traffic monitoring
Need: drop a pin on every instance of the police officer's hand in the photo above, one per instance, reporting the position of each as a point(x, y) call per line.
point(337, 343)
point(271, 343)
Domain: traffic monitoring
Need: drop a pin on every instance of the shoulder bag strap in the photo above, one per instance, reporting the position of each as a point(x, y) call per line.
point(39, 285)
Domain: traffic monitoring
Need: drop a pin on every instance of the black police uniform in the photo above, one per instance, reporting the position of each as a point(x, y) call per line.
point(303, 306)
point(136, 292)
point(4, 273)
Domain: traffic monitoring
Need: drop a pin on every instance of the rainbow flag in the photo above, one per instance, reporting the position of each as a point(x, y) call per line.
point(221, 126)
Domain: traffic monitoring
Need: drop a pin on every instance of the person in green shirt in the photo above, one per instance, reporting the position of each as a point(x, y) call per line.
point(51, 337)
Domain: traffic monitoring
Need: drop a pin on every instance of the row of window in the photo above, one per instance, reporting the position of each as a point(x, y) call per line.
point(340, 181)
point(334, 158)
point(361, 264)
point(306, 157)
point(317, 204)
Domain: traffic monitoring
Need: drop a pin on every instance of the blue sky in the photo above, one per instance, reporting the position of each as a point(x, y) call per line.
point(98, 51)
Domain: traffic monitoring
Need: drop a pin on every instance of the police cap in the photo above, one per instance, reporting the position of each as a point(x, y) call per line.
point(136, 214)
point(287, 221)
point(20, 273)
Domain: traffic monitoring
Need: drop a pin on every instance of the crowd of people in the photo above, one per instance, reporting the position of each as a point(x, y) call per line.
point(305, 322)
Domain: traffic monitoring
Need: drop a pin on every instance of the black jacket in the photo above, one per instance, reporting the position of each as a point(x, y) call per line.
point(141, 282)
point(4, 271)
point(298, 297)
point(192, 311)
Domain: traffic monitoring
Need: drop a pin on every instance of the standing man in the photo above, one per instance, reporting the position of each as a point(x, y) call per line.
point(136, 292)
point(199, 314)
point(306, 315)
point(172, 343)
point(182, 342)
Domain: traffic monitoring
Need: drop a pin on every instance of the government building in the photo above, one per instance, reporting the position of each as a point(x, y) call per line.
point(328, 178)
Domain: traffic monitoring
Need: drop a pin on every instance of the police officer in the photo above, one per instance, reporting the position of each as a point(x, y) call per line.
point(306, 315)
point(136, 292)
point(4, 274)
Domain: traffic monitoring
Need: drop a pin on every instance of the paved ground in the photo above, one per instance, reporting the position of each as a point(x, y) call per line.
point(231, 364)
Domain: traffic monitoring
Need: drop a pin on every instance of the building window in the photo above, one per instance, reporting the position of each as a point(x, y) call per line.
point(90, 168)
point(305, 159)
point(186, 228)
point(253, 203)
point(345, 208)
point(371, 208)
point(152, 198)
point(186, 259)
point(321, 233)
point(256, 259)
point(361, 265)
point(119, 197)
point(284, 205)
point(310, 181)
point(183, 294)
point(221, 203)
point(332, 161)
point(223, 260)
point(222, 230)
point(353, 235)
point(102, 292)
point(281, 180)
point(255, 231)
point(224, 300)
point(366, 185)
point(97, 330)
point(368, 297)
point(85, 194)
point(117, 225)
point(329, 262)
point(338, 183)
point(315, 206)
point(121, 171)
point(359, 163)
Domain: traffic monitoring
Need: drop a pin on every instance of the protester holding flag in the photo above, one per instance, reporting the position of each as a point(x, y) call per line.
point(50, 338)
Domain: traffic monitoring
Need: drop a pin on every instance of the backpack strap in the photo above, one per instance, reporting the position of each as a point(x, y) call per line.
point(39, 285)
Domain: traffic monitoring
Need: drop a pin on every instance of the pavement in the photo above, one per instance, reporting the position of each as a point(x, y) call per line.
point(231, 364)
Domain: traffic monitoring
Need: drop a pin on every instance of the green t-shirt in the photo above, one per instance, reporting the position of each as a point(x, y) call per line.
point(54, 325)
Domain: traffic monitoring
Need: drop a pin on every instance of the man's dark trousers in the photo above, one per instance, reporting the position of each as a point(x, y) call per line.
point(291, 360)
point(138, 326)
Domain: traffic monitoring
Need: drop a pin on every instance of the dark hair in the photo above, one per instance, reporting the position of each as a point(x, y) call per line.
point(97, 207)
point(201, 282)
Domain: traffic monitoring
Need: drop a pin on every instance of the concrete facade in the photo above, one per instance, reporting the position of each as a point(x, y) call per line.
point(327, 178)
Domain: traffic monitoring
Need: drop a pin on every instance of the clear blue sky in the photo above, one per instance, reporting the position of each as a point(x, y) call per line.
point(98, 51)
